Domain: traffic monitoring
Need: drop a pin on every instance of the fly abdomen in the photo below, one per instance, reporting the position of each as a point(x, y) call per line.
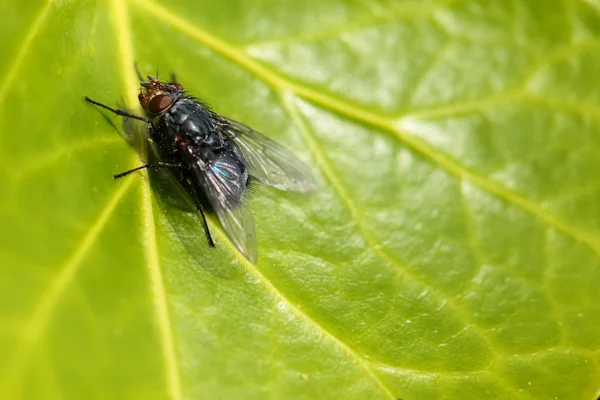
point(222, 173)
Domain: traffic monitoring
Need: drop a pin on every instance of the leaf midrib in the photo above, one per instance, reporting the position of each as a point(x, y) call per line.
point(155, 274)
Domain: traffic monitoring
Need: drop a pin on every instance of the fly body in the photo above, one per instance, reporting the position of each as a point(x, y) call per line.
point(214, 157)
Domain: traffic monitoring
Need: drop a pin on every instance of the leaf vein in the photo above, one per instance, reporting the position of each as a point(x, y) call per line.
point(217, 229)
point(37, 323)
point(371, 241)
point(165, 329)
point(160, 297)
point(24, 49)
point(47, 160)
point(381, 17)
point(381, 122)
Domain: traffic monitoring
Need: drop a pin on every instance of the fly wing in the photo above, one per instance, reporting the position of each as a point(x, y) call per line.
point(224, 186)
point(239, 225)
point(268, 161)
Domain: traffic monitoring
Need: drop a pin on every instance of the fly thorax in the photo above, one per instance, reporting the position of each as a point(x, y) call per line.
point(192, 129)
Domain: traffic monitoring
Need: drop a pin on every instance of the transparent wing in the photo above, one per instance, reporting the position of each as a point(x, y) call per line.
point(239, 225)
point(268, 161)
point(221, 185)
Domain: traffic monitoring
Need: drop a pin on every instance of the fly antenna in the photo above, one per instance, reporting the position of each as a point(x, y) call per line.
point(137, 71)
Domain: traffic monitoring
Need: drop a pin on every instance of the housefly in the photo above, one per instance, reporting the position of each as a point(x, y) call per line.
point(214, 157)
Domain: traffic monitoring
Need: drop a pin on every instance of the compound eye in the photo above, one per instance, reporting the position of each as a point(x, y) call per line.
point(159, 103)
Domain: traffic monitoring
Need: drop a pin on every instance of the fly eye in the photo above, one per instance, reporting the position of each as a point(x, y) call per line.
point(159, 103)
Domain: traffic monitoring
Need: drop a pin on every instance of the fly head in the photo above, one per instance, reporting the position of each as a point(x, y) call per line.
point(157, 97)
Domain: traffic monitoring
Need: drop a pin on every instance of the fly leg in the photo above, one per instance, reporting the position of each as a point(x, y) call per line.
point(122, 113)
point(211, 242)
point(118, 112)
point(157, 165)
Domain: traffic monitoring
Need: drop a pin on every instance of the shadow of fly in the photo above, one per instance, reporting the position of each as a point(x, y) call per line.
point(213, 157)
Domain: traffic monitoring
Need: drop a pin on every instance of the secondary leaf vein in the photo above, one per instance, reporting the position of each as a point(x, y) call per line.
point(216, 229)
point(372, 242)
point(32, 32)
point(36, 326)
point(350, 111)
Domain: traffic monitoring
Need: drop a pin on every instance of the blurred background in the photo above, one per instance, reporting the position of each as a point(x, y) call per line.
point(452, 251)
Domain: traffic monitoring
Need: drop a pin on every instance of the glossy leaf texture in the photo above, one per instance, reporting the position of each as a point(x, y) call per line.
point(452, 251)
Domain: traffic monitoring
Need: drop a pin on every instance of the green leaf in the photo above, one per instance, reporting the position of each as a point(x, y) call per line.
point(452, 251)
